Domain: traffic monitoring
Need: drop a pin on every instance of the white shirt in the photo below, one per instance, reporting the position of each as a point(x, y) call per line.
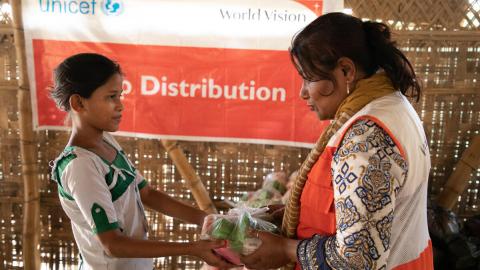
point(99, 196)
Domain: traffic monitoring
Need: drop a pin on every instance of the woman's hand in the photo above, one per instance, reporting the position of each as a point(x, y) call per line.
point(275, 251)
point(204, 250)
point(275, 212)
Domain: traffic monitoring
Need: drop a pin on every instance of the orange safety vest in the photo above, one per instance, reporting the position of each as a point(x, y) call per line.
point(317, 210)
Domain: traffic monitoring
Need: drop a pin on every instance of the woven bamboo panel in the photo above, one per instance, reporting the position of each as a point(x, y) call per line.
point(447, 62)
point(10, 184)
point(439, 15)
point(449, 107)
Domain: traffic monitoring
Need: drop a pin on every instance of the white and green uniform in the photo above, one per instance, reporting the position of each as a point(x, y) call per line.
point(99, 196)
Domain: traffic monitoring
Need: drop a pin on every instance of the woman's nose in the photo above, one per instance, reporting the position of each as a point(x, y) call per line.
point(303, 92)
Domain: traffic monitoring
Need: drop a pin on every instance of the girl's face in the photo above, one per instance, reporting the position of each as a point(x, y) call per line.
point(103, 110)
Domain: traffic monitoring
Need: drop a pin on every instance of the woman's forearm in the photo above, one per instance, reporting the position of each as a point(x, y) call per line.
point(290, 246)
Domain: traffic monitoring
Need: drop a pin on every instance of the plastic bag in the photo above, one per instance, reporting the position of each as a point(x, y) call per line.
point(276, 181)
point(262, 198)
point(291, 181)
point(273, 188)
point(235, 227)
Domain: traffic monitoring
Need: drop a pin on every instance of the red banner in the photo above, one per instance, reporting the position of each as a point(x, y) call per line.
point(192, 93)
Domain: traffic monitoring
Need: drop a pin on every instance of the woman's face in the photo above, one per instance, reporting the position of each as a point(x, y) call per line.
point(325, 96)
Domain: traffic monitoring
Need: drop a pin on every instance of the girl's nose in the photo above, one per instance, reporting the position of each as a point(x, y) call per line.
point(120, 106)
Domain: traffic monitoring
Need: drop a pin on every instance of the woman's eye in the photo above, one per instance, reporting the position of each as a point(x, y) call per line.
point(306, 82)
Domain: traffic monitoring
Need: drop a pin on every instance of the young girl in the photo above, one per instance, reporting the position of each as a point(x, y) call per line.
point(99, 188)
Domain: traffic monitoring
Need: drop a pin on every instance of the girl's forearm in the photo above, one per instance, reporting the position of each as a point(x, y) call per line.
point(167, 205)
point(126, 247)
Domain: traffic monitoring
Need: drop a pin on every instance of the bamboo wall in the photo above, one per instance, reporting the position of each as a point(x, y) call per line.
point(441, 38)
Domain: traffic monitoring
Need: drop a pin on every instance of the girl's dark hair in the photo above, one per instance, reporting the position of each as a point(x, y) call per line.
point(318, 47)
point(81, 74)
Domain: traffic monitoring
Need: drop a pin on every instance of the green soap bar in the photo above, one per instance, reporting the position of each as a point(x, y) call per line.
point(244, 197)
point(279, 186)
point(265, 194)
point(236, 246)
point(256, 203)
point(222, 229)
point(239, 233)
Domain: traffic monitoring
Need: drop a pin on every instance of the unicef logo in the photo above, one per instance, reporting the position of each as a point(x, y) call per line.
point(112, 7)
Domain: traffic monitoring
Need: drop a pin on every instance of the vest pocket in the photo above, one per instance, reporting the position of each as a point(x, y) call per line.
point(317, 197)
point(317, 211)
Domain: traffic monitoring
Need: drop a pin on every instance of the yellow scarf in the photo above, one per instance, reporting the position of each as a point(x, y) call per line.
point(365, 92)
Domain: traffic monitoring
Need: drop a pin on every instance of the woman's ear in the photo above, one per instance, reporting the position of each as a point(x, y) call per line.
point(348, 68)
point(76, 103)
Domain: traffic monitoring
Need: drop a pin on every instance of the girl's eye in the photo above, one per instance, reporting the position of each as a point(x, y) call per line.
point(116, 95)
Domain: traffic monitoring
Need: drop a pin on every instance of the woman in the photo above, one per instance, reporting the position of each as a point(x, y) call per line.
point(359, 201)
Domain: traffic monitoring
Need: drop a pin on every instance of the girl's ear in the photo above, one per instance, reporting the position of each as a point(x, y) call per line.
point(76, 103)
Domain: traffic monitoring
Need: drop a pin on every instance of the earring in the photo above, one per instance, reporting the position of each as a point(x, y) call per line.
point(348, 88)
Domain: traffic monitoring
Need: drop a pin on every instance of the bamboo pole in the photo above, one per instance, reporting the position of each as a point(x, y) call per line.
point(458, 181)
point(193, 181)
point(31, 207)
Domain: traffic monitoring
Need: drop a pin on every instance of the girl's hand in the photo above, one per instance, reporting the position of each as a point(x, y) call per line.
point(204, 250)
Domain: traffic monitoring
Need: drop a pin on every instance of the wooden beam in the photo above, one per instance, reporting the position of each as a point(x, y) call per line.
point(458, 181)
point(193, 181)
point(28, 150)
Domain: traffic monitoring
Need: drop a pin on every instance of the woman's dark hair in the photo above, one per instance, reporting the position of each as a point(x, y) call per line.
point(318, 47)
point(81, 74)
